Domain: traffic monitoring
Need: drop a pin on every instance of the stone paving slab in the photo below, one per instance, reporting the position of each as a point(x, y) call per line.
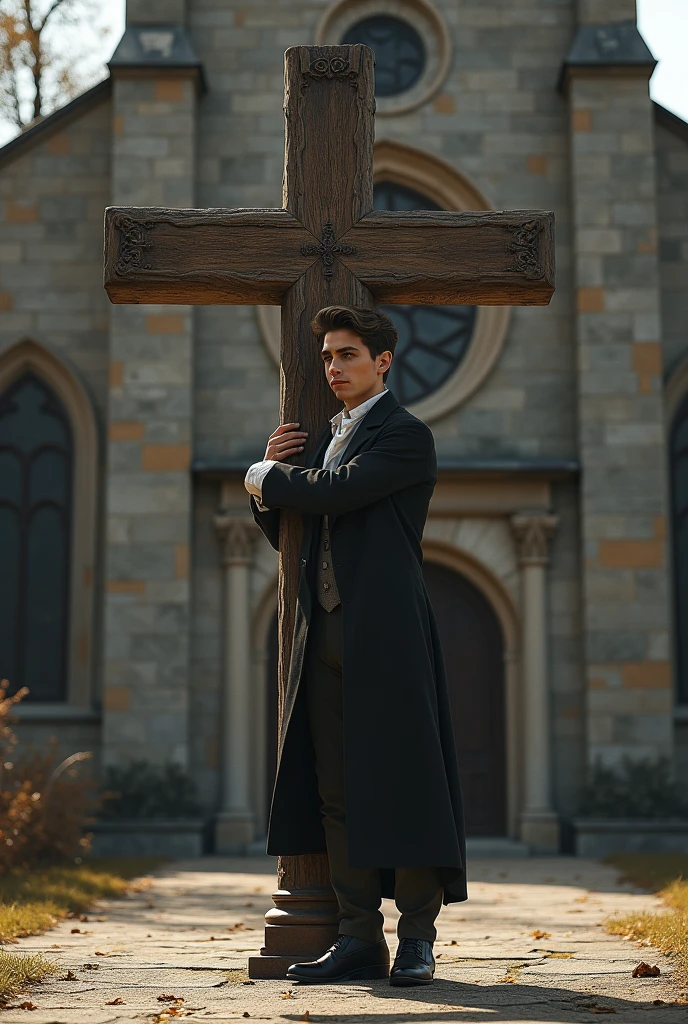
point(527, 946)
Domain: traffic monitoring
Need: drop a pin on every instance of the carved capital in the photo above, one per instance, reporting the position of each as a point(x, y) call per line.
point(236, 533)
point(532, 532)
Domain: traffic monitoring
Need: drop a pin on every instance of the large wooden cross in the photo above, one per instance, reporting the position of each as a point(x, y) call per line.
point(325, 246)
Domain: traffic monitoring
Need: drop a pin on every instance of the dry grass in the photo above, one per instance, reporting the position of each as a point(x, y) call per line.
point(18, 972)
point(667, 875)
point(32, 901)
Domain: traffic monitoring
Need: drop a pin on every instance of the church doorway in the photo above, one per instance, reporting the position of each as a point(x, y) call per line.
point(473, 647)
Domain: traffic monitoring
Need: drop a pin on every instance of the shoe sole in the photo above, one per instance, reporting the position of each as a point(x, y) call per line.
point(402, 982)
point(362, 974)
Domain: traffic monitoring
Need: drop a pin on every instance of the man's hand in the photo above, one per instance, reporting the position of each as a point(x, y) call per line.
point(285, 441)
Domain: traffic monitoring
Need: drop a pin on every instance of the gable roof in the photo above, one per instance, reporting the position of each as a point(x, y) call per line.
point(55, 122)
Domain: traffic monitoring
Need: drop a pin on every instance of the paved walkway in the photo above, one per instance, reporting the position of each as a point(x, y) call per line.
point(527, 946)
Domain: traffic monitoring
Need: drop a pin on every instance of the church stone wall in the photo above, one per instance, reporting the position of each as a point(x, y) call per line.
point(672, 208)
point(52, 197)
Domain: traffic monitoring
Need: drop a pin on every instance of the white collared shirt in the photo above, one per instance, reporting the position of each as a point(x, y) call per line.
point(344, 426)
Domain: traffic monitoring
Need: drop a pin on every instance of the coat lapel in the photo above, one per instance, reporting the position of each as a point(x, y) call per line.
point(369, 427)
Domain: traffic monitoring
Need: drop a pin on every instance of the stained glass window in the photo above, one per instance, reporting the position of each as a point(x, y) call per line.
point(35, 521)
point(679, 488)
point(433, 340)
point(399, 51)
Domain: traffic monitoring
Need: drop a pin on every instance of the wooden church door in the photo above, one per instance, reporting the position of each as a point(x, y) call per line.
point(473, 648)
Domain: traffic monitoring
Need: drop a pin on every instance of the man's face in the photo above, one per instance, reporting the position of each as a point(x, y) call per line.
point(352, 373)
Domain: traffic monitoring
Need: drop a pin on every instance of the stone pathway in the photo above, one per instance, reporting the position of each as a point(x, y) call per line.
point(527, 946)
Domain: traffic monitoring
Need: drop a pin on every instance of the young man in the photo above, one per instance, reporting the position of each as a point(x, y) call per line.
point(367, 767)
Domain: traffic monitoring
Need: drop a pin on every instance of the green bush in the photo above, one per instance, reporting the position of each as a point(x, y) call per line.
point(144, 790)
point(642, 788)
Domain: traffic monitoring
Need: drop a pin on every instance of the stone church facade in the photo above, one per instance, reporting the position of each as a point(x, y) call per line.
point(139, 599)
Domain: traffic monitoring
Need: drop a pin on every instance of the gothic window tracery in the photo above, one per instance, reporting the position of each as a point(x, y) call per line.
point(399, 51)
point(36, 465)
point(433, 340)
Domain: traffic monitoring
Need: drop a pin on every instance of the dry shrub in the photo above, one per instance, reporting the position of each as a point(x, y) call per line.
point(44, 805)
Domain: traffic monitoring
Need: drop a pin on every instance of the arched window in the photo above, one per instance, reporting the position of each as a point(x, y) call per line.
point(679, 491)
point(433, 340)
point(36, 466)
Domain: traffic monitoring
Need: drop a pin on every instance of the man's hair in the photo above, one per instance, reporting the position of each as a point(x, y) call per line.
point(375, 329)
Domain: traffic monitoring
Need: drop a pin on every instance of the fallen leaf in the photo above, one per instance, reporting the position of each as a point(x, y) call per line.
point(454, 942)
point(91, 967)
point(305, 1016)
point(287, 995)
point(170, 999)
point(539, 934)
point(116, 1002)
point(76, 931)
point(644, 970)
point(239, 926)
point(69, 976)
point(27, 1005)
point(99, 952)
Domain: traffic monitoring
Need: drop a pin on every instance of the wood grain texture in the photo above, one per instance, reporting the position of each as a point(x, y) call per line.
point(305, 398)
point(447, 257)
point(330, 129)
point(203, 256)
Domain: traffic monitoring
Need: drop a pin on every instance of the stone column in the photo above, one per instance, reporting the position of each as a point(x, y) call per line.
point(623, 498)
point(235, 823)
point(539, 824)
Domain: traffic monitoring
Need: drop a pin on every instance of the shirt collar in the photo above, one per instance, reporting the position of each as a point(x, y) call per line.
point(356, 414)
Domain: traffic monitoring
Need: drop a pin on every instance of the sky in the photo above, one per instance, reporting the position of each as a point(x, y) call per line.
point(663, 23)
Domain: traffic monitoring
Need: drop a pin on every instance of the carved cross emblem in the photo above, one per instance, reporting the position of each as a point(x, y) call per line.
point(327, 249)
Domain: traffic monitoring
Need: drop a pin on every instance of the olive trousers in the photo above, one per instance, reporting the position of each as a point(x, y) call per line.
point(418, 890)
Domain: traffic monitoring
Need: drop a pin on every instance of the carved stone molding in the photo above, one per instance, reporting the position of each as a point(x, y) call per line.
point(532, 532)
point(237, 534)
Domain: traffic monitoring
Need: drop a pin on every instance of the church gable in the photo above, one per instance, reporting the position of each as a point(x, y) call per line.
point(54, 185)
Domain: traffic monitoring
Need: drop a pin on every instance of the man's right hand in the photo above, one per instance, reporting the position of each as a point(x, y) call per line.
point(287, 440)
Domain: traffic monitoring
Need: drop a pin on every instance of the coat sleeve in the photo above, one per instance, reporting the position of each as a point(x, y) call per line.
point(402, 456)
point(269, 522)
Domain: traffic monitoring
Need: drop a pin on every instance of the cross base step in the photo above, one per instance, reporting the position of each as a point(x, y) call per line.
point(273, 966)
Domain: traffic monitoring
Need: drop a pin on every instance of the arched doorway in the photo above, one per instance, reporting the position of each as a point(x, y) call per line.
point(473, 647)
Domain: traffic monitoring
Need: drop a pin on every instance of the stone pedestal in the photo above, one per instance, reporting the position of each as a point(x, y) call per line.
point(304, 920)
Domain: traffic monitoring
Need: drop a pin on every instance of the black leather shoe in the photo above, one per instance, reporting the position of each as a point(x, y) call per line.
point(349, 959)
point(414, 963)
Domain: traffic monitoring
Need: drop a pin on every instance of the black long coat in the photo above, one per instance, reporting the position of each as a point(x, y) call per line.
point(403, 800)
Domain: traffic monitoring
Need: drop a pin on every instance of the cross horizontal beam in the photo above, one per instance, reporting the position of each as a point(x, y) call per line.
point(250, 257)
point(203, 257)
point(485, 258)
